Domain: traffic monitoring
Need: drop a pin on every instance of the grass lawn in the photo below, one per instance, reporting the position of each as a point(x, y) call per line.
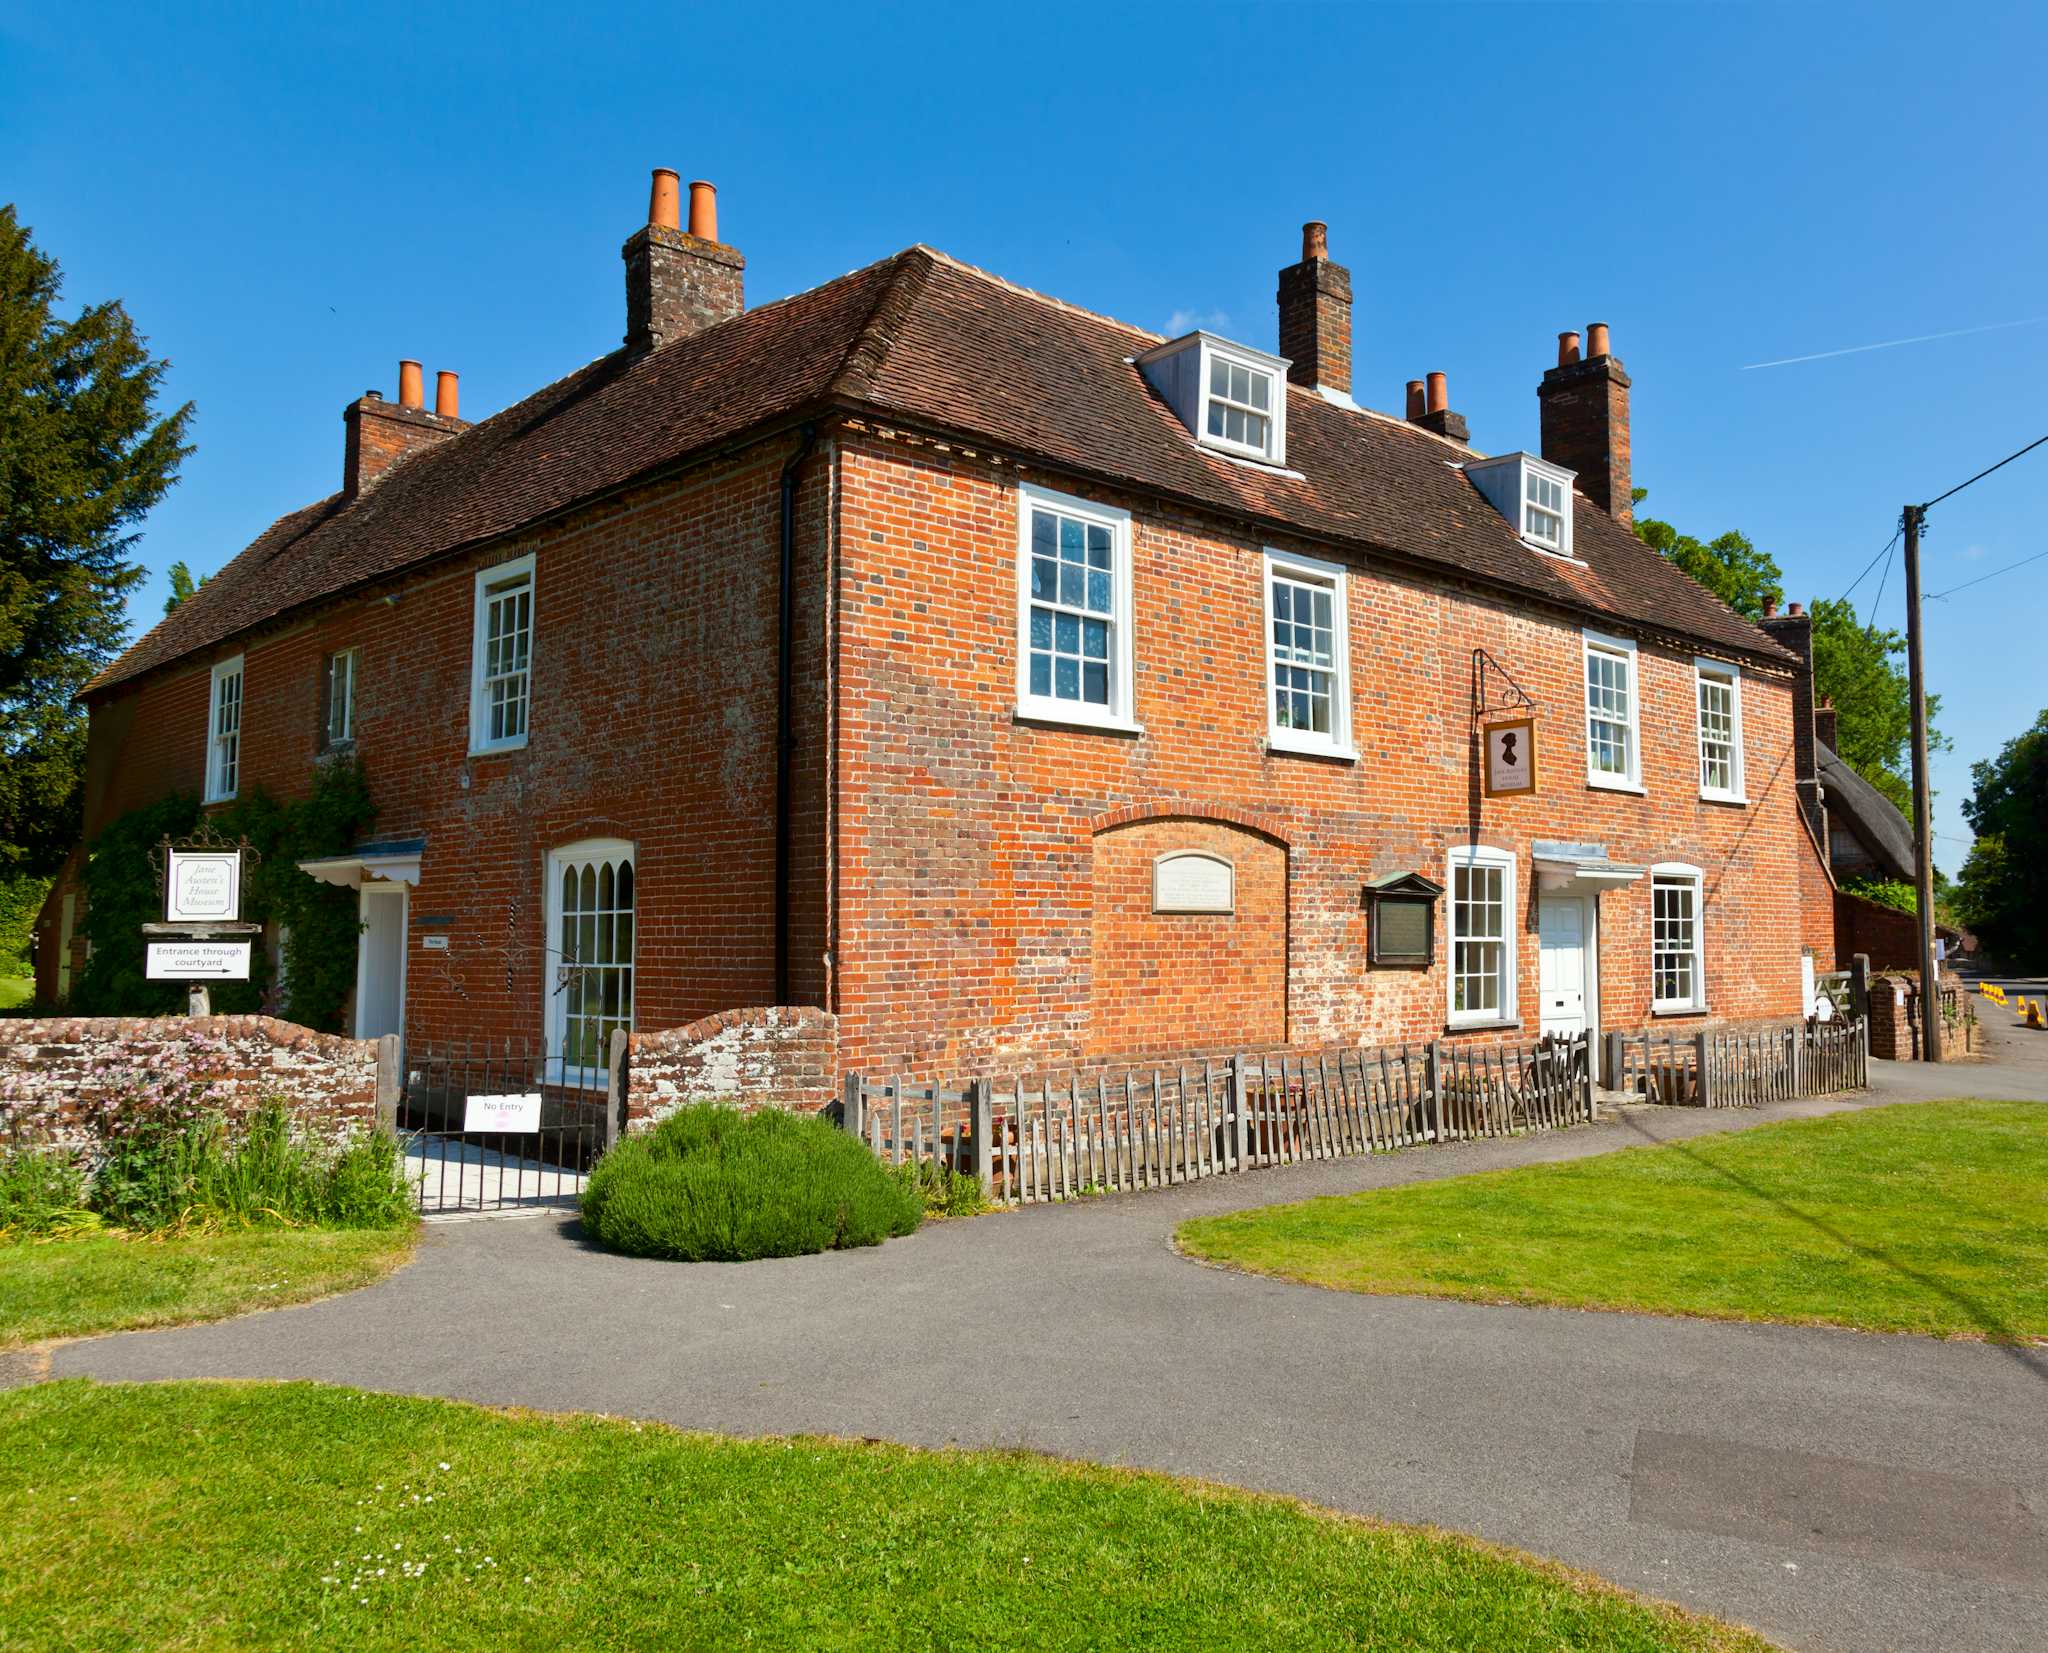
point(214, 1515)
point(1926, 1217)
point(112, 1282)
point(16, 990)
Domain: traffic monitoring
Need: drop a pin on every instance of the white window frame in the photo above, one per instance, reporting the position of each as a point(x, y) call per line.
point(1509, 1014)
point(1334, 576)
point(347, 701)
point(1726, 672)
point(224, 752)
point(1217, 350)
point(1119, 716)
point(1532, 474)
point(1623, 648)
point(479, 704)
point(1681, 872)
point(554, 989)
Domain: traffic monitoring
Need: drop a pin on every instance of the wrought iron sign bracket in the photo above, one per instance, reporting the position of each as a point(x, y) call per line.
point(1490, 678)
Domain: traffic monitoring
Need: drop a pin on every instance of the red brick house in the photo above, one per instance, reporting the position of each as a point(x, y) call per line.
point(1013, 683)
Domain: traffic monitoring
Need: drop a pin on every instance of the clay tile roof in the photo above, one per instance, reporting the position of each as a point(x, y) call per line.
point(926, 341)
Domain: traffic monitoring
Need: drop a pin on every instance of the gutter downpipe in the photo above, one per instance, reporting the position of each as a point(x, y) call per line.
point(785, 693)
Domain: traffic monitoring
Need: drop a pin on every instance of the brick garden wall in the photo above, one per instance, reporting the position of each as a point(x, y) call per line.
point(971, 932)
point(55, 1073)
point(783, 1056)
point(1890, 937)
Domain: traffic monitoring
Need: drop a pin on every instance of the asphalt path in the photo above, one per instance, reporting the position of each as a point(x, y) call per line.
point(1837, 1490)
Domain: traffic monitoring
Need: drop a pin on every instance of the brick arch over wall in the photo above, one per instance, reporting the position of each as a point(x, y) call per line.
point(1163, 982)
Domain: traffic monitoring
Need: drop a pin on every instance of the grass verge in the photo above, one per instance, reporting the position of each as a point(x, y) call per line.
point(117, 1282)
point(16, 991)
point(1927, 1217)
point(188, 1515)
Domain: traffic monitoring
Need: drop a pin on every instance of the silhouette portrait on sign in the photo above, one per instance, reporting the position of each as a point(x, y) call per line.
point(1507, 749)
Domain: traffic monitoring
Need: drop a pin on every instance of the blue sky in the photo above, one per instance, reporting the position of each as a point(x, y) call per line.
point(289, 201)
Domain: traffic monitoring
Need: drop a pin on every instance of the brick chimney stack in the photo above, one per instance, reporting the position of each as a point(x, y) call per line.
point(381, 433)
point(1315, 316)
point(1585, 420)
point(1825, 724)
point(1435, 412)
point(678, 281)
point(1794, 630)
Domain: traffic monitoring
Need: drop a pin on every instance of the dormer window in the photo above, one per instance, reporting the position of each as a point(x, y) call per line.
point(1241, 405)
point(1533, 494)
point(1231, 398)
point(1542, 509)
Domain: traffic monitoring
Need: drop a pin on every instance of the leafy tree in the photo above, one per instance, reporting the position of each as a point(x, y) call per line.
point(2003, 890)
point(83, 456)
point(182, 585)
point(21, 900)
point(1730, 566)
point(1862, 669)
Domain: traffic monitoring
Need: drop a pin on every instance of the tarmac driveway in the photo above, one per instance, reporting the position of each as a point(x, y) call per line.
point(1836, 1490)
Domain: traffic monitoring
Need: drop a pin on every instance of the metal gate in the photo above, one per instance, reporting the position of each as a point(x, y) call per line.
point(498, 1126)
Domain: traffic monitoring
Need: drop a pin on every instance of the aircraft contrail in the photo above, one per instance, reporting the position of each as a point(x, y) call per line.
point(1893, 344)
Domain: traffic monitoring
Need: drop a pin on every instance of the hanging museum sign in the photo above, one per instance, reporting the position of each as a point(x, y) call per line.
point(202, 886)
point(1509, 756)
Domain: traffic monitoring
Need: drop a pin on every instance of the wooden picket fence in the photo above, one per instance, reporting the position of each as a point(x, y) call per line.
point(1044, 1137)
point(1732, 1067)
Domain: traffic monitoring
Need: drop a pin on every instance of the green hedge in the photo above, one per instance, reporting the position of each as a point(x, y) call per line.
point(710, 1184)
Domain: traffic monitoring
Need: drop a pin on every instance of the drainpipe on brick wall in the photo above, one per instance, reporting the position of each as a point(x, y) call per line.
point(785, 679)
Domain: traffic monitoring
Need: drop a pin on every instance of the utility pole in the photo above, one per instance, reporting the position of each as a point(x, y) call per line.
point(1923, 840)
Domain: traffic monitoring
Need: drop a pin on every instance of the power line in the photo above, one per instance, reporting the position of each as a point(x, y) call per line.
point(1867, 567)
point(1878, 600)
point(1935, 596)
point(1981, 475)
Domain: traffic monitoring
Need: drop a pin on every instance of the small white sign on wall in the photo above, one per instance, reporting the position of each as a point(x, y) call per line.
point(511, 1113)
point(1193, 881)
point(198, 961)
point(203, 886)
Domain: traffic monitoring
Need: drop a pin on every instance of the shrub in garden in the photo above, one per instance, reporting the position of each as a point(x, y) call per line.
point(710, 1184)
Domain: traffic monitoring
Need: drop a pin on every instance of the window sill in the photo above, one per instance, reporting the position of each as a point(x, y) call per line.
point(500, 749)
point(1734, 798)
point(1678, 1012)
point(1496, 1025)
point(1603, 783)
point(1281, 741)
point(1552, 552)
point(213, 798)
point(1068, 717)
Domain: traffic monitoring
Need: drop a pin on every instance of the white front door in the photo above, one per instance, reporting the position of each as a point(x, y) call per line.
point(1564, 924)
point(380, 962)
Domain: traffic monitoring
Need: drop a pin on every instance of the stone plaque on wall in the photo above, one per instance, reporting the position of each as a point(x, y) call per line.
point(1193, 881)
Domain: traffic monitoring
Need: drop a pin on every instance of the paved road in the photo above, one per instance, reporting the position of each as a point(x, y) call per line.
point(1836, 1490)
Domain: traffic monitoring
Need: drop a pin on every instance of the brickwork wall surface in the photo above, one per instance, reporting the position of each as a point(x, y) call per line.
point(783, 1056)
point(652, 721)
point(1890, 937)
point(54, 1074)
point(968, 918)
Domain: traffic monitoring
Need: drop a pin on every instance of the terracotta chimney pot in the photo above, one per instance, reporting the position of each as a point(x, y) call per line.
point(445, 395)
point(665, 200)
point(1417, 407)
point(1770, 608)
point(703, 210)
point(1567, 349)
point(412, 386)
point(1315, 240)
point(1796, 608)
point(1439, 393)
point(1596, 339)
